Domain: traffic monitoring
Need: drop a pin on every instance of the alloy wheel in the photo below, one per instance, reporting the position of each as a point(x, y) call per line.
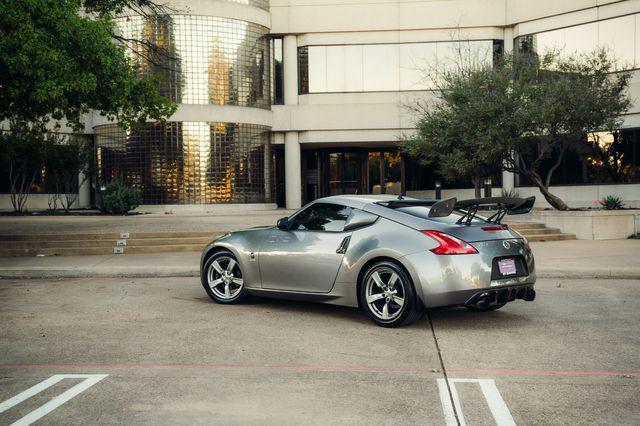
point(385, 293)
point(224, 278)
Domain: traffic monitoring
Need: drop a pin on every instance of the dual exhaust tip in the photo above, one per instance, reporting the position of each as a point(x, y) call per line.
point(487, 298)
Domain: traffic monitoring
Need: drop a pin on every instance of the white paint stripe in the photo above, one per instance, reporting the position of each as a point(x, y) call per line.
point(445, 400)
point(90, 380)
point(5, 405)
point(498, 407)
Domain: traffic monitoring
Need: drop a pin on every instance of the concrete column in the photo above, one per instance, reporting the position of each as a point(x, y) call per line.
point(84, 191)
point(508, 39)
point(293, 178)
point(290, 69)
point(292, 173)
point(508, 178)
point(508, 181)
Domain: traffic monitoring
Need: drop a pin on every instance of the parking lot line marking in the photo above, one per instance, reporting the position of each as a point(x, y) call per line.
point(447, 408)
point(497, 406)
point(43, 410)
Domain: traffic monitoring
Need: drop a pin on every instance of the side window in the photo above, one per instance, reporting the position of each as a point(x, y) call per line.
point(321, 217)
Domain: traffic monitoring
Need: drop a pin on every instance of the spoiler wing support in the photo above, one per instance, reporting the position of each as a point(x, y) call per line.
point(504, 206)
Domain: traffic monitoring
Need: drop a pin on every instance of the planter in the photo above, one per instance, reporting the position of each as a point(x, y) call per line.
point(587, 225)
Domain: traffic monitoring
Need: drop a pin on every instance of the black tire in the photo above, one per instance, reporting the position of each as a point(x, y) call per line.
point(487, 309)
point(221, 281)
point(370, 289)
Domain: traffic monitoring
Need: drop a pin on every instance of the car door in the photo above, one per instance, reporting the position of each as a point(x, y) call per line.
point(307, 256)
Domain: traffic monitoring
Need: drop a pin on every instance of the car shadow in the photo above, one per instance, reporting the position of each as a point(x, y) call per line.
point(460, 318)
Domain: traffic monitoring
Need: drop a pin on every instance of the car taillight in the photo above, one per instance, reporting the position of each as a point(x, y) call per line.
point(449, 244)
point(494, 228)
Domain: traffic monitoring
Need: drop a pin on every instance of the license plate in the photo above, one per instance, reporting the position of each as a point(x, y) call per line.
point(507, 266)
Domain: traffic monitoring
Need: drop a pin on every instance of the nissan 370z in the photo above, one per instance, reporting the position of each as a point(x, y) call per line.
point(390, 256)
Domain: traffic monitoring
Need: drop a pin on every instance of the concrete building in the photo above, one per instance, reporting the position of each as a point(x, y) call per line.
point(284, 101)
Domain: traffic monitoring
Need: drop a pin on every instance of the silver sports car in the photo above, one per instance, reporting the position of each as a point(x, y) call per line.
point(390, 256)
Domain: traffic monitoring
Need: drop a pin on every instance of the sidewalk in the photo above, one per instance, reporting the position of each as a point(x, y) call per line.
point(558, 259)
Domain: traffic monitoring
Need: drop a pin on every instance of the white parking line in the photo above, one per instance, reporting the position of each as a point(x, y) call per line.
point(43, 410)
point(498, 407)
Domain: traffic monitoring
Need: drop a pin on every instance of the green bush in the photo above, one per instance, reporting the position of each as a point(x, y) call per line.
point(612, 202)
point(119, 198)
point(510, 193)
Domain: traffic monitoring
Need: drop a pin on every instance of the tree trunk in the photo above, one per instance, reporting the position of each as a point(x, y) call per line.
point(556, 202)
point(476, 186)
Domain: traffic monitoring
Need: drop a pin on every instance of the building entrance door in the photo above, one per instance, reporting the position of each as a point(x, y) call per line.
point(351, 171)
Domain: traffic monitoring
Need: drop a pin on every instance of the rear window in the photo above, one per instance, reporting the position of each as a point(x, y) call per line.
point(423, 213)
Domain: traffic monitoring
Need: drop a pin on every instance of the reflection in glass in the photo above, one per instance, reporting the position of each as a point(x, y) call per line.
point(206, 60)
point(189, 162)
point(384, 67)
point(344, 173)
point(620, 36)
point(278, 72)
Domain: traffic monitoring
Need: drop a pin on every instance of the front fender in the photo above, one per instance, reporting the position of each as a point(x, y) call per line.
point(245, 246)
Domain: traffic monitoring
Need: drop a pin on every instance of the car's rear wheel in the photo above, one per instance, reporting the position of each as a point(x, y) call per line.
point(387, 295)
point(222, 278)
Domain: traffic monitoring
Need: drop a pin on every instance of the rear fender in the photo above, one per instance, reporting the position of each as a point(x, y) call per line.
point(386, 239)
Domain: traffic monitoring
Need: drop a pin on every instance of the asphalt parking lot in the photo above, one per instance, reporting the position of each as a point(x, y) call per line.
point(158, 351)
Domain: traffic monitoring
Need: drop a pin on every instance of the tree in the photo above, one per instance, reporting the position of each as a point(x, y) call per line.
point(65, 158)
point(457, 133)
point(21, 154)
point(521, 112)
point(58, 61)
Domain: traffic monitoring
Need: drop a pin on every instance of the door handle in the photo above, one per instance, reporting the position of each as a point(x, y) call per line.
point(342, 248)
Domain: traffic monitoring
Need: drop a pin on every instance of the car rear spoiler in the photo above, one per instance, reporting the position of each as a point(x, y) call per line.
point(502, 205)
point(469, 208)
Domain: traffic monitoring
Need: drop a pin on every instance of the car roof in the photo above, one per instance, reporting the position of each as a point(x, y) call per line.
point(358, 201)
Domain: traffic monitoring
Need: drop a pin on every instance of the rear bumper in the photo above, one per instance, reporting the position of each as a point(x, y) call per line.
point(499, 296)
point(456, 280)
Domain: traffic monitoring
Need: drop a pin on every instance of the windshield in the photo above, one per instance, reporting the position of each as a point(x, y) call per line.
point(423, 213)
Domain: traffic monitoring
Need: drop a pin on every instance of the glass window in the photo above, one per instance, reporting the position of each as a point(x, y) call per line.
point(381, 69)
point(353, 69)
point(303, 70)
point(619, 35)
point(321, 217)
point(336, 71)
point(417, 60)
point(317, 69)
point(278, 72)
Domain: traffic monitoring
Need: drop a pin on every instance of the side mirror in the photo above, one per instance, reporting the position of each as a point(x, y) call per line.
point(283, 223)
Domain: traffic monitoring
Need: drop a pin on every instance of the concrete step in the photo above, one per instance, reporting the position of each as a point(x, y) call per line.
point(56, 251)
point(535, 231)
point(57, 244)
point(59, 237)
point(104, 243)
point(107, 236)
point(524, 225)
point(550, 237)
point(164, 248)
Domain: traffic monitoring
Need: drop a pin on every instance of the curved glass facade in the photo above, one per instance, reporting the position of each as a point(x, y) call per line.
point(189, 162)
point(204, 59)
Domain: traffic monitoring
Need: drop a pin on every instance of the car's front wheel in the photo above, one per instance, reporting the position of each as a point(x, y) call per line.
point(222, 278)
point(387, 295)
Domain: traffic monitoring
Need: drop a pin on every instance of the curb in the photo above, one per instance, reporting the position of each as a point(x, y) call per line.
point(49, 273)
point(111, 273)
